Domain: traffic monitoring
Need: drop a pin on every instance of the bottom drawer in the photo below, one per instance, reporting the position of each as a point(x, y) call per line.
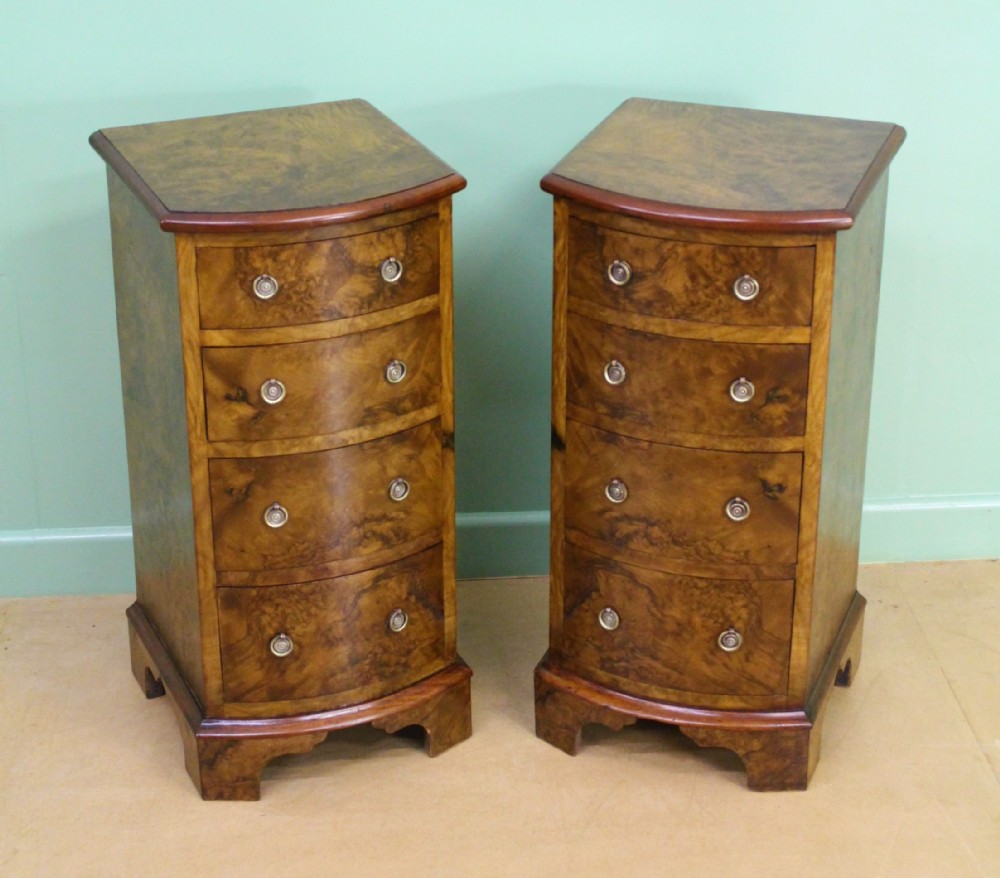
point(651, 630)
point(332, 636)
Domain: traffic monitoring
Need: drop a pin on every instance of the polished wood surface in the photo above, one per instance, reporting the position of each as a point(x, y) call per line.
point(669, 627)
point(677, 499)
point(691, 198)
point(678, 279)
point(341, 640)
point(317, 280)
point(330, 385)
point(212, 456)
point(727, 167)
point(447, 420)
point(684, 384)
point(854, 316)
point(225, 757)
point(269, 169)
point(779, 748)
point(156, 437)
point(337, 502)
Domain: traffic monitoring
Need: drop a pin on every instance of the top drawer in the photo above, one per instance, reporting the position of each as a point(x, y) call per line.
point(687, 281)
point(317, 280)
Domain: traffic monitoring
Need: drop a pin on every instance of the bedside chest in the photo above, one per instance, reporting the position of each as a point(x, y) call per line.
point(283, 281)
point(716, 277)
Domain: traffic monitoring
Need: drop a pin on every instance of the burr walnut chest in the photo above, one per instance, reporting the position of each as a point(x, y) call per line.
point(716, 277)
point(283, 284)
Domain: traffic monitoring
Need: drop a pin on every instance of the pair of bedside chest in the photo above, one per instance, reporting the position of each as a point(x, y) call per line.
point(285, 321)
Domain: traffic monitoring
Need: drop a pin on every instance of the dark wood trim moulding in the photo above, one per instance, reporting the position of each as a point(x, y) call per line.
point(116, 161)
point(550, 671)
point(875, 170)
point(276, 220)
point(806, 221)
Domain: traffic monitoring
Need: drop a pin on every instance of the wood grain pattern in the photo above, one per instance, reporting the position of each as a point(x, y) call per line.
point(685, 438)
point(677, 279)
point(284, 168)
point(338, 502)
point(673, 231)
point(684, 385)
point(779, 748)
point(156, 436)
point(726, 167)
point(694, 329)
point(676, 499)
point(447, 416)
point(445, 717)
point(701, 567)
point(557, 512)
point(667, 637)
point(848, 397)
point(225, 757)
point(339, 629)
point(187, 291)
point(318, 280)
point(690, 196)
point(812, 468)
point(560, 714)
point(212, 338)
point(317, 197)
point(331, 385)
point(565, 702)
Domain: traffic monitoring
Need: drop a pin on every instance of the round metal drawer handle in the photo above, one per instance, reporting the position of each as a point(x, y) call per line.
point(397, 620)
point(746, 287)
point(608, 619)
point(738, 509)
point(275, 515)
point(614, 373)
point(730, 640)
point(281, 645)
point(395, 371)
point(399, 490)
point(272, 391)
point(391, 270)
point(742, 390)
point(616, 491)
point(265, 287)
point(619, 272)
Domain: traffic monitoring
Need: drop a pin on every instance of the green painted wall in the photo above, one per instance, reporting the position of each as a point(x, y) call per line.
point(501, 91)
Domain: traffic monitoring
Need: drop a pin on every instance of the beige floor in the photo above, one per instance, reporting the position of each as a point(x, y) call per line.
point(92, 781)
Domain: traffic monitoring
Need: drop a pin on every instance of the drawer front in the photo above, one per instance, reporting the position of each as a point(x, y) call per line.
point(682, 503)
point(328, 385)
point(318, 280)
point(336, 503)
point(684, 384)
point(669, 627)
point(339, 636)
point(686, 281)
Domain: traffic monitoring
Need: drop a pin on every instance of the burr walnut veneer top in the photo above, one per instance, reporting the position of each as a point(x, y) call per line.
point(728, 168)
point(295, 167)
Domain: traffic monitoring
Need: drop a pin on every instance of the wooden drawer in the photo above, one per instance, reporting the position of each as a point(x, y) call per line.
point(341, 640)
point(674, 384)
point(669, 628)
point(337, 502)
point(676, 503)
point(317, 280)
point(330, 385)
point(691, 281)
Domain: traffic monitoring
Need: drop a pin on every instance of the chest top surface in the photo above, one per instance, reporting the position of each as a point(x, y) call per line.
point(726, 167)
point(272, 169)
